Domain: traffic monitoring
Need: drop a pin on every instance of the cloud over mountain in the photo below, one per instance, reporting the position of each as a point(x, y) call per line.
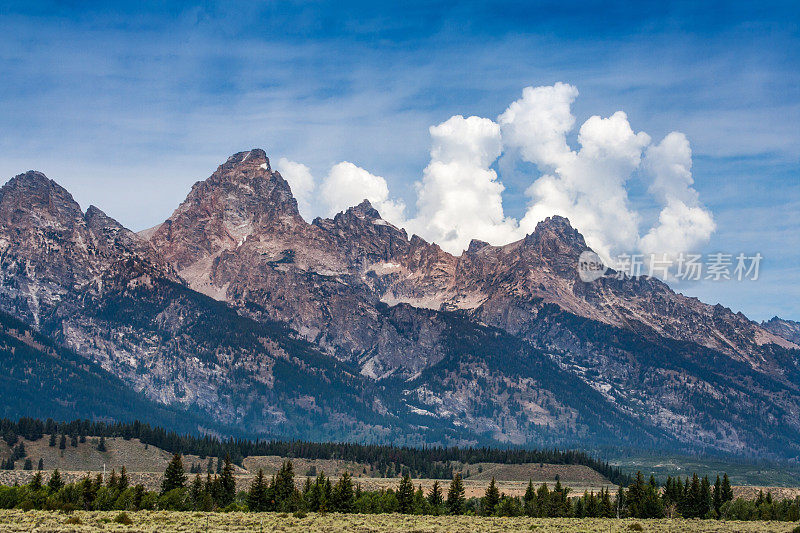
point(301, 181)
point(347, 184)
point(459, 197)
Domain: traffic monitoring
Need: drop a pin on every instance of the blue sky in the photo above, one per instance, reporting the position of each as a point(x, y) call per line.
point(128, 104)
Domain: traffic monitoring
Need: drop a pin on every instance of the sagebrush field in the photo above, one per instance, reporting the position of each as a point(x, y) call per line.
point(163, 521)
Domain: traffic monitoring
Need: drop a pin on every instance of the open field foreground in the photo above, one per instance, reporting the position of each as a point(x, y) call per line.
point(161, 521)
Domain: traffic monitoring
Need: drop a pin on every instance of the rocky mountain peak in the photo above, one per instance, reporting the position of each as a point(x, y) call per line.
point(251, 158)
point(475, 245)
point(246, 183)
point(364, 210)
point(103, 226)
point(555, 237)
point(40, 201)
point(359, 214)
point(787, 329)
point(244, 197)
point(96, 218)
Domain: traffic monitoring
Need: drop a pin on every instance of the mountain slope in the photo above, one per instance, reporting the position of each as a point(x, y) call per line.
point(102, 291)
point(239, 237)
point(788, 329)
point(327, 280)
point(346, 328)
point(39, 378)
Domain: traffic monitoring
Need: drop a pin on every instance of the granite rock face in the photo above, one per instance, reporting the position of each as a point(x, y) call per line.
point(238, 237)
point(787, 329)
point(347, 327)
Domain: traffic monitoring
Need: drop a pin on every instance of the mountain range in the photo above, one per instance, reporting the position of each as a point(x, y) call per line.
point(251, 320)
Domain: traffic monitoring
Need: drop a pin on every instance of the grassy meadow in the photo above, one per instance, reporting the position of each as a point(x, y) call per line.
point(165, 521)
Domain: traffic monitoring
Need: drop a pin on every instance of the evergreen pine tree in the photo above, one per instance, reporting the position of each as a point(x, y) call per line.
point(420, 503)
point(36, 482)
point(19, 451)
point(40, 466)
point(316, 498)
point(529, 499)
point(490, 499)
point(52, 440)
point(28, 464)
point(455, 496)
point(685, 502)
point(620, 503)
point(101, 446)
point(284, 485)
point(112, 480)
point(209, 491)
point(88, 492)
point(342, 494)
point(122, 482)
point(543, 500)
point(435, 498)
point(196, 494)
point(717, 495)
point(327, 490)
point(62, 444)
point(559, 501)
point(704, 504)
point(727, 491)
point(227, 484)
point(606, 509)
point(55, 482)
point(636, 495)
point(257, 497)
point(694, 498)
point(174, 475)
point(405, 495)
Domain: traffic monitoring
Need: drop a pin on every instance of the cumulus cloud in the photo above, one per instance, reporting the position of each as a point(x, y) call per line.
point(301, 181)
point(347, 185)
point(459, 197)
point(683, 224)
point(588, 185)
point(537, 124)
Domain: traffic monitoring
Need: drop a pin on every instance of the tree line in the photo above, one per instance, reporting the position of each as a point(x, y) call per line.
point(434, 462)
point(692, 498)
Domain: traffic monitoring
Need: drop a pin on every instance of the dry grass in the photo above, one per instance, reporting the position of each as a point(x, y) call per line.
point(541, 472)
point(332, 467)
point(164, 521)
point(146, 465)
point(134, 455)
point(152, 481)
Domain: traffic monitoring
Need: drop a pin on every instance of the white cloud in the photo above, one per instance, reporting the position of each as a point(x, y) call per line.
point(459, 197)
point(537, 124)
point(587, 186)
point(347, 185)
point(301, 181)
point(670, 165)
point(683, 223)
